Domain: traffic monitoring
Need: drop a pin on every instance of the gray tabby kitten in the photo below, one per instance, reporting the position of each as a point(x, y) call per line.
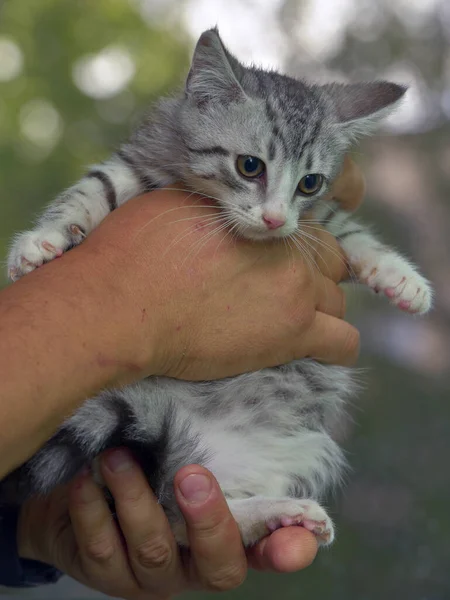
point(268, 147)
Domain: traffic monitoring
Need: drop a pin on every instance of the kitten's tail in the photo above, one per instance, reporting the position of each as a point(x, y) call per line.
point(102, 422)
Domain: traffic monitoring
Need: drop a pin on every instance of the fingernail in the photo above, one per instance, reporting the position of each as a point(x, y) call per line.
point(118, 461)
point(196, 488)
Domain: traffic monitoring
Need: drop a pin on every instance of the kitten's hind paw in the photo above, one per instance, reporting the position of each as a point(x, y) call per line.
point(260, 516)
point(33, 248)
point(313, 517)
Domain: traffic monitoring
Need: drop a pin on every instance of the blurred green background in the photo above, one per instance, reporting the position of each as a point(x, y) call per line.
point(75, 74)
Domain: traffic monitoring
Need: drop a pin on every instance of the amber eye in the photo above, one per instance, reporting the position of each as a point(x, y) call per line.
point(250, 166)
point(310, 184)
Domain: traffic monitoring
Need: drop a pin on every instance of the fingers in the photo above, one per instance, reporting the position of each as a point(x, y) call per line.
point(217, 554)
point(332, 340)
point(330, 298)
point(100, 553)
point(350, 187)
point(285, 551)
point(329, 257)
point(152, 550)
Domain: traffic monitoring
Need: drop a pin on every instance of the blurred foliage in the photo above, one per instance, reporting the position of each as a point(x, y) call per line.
point(53, 35)
point(392, 517)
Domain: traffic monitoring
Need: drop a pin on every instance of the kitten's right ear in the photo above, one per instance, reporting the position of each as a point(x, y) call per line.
point(360, 106)
point(214, 73)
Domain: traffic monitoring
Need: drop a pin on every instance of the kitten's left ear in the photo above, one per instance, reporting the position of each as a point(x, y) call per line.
point(360, 106)
point(214, 73)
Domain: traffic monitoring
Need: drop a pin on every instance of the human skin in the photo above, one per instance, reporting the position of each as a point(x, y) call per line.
point(137, 558)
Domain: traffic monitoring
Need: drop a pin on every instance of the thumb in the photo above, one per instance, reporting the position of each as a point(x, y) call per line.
point(214, 538)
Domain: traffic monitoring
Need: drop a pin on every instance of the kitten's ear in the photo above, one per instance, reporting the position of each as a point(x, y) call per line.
point(360, 106)
point(214, 73)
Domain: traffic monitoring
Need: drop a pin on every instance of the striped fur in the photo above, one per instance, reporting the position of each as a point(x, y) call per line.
point(267, 436)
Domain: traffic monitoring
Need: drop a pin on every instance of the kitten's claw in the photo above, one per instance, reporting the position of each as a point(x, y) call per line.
point(400, 283)
point(32, 249)
point(51, 248)
point(13, 274)
point(77, 232)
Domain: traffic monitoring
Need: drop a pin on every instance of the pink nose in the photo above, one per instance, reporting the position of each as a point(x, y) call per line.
point(273, 222)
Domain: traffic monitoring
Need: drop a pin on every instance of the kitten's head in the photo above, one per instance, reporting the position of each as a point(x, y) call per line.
point(265, 145)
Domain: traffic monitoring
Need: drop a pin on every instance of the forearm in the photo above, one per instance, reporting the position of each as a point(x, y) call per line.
point(60, 342)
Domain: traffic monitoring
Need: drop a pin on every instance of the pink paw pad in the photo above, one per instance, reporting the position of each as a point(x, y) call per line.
point(389, 292)
point(273, 526)
point(288, 521)
point(284, 521)
point(404, 304)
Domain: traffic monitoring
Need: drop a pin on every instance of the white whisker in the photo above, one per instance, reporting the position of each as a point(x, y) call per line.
point(208, 222)
point(310, 261)
point(204, 240)
point(327, 246)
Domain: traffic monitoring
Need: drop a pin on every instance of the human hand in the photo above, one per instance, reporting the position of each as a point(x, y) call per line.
point(197, 305)
point(72, 529)
point(350, 187)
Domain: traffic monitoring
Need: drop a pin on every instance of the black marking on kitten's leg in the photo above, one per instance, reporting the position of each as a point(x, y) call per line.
point(346, 234)
point(108, 186)
point(126, 158)
point(148, 184)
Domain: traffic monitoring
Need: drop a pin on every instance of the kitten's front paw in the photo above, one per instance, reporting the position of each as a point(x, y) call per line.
point(33, 248)
point(400, 282)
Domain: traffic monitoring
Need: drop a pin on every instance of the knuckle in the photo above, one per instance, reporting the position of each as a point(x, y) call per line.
point(154, 553)
point(226, 579)
point(99, 550)
point(214, 525)
point(301, 315)
point(134, 496)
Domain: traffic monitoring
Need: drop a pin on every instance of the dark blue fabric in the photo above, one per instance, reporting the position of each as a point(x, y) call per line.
point(14, 571)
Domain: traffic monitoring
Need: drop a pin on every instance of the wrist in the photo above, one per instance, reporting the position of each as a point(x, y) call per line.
point(122, 319)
